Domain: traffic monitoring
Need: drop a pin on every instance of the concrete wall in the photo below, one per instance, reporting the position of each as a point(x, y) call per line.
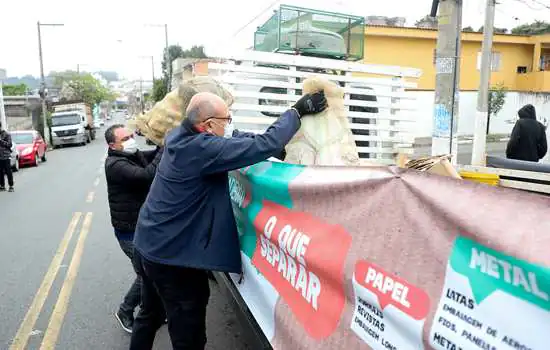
point(500, 124)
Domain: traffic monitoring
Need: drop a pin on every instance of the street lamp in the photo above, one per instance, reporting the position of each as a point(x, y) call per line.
point(167, 54)
point(46, 132)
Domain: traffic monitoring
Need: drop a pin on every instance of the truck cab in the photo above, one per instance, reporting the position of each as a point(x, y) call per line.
point(70, 128)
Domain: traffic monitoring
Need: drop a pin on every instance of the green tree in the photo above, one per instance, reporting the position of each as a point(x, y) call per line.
point(159, 90)
point(426, 22)
point(537, 27)
point(82, 87)
point(468, 29)
point(495, 30)
point(15, 90)
point(497, 98)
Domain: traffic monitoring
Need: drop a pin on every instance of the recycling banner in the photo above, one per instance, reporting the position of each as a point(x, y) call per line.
point(386, 258)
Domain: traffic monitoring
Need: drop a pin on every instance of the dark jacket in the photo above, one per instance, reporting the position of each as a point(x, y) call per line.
point(528, 139)
point(187, 219)
point(129, 177)
point(5, 145)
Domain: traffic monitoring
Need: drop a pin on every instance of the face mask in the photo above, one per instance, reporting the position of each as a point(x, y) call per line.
point(129, 146)
point(228, 130)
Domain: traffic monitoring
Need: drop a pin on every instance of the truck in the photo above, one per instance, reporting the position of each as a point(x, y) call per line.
point(72, 124)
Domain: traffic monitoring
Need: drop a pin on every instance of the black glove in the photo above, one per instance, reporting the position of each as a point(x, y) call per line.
point(311, 104)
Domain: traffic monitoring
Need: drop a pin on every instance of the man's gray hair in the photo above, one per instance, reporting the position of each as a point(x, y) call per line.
point(200, 112)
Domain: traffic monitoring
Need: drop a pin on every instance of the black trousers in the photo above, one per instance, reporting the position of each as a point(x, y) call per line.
point(5, 170)
point(133, 296)
point(183, 293)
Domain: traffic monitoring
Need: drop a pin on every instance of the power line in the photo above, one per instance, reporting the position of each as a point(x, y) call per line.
point(541, 4)
point(255, 18)
point(531, 6)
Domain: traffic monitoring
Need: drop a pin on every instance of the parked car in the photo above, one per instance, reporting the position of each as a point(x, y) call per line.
point(31, 147)
point(14, 158)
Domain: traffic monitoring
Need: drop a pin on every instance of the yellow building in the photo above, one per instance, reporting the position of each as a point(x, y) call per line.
point(519, 62)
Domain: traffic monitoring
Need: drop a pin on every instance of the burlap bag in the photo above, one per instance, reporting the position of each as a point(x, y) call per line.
point(325, 138)
point(170, 111)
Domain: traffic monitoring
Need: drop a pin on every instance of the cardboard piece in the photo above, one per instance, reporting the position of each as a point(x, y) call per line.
point(439, 165)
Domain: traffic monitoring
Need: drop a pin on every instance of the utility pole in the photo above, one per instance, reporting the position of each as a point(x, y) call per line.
point(45, 132)
point(43, 91)
point(168, 63)
point(3, 118)
point(447, 61)
point(480, 127)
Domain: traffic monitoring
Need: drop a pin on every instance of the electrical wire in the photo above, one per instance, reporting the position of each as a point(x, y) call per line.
point(255, 18)
point(541, 4)
point(531, 6)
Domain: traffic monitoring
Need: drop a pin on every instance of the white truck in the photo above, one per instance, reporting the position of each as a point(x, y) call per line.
point(72, 124)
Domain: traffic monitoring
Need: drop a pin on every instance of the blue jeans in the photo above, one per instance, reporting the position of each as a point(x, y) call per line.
point(133, 296)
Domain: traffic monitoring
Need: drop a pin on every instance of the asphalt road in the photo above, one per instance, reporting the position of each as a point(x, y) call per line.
point(62, 271)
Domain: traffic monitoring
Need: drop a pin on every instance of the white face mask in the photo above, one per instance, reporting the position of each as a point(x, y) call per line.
point(228, 130)
point(130, 146)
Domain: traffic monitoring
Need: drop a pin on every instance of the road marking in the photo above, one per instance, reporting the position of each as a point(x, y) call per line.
point(90, 197)
point(26, 327)
point(60, 310)
point(96, 182)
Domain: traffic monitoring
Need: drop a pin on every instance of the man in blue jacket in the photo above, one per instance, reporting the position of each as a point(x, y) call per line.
point(186, 226)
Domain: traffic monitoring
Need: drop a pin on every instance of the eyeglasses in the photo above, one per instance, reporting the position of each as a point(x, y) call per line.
point(228, 118)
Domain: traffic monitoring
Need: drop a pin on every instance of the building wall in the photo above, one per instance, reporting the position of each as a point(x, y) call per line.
point(416, 48)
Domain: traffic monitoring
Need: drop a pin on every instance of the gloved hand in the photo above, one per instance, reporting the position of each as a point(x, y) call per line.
point(311, 104)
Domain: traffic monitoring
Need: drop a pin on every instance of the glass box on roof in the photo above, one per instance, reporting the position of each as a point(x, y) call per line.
point(296, 30)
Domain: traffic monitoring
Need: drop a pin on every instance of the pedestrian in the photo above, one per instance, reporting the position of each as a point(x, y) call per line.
point(528, 139)
point(186, 226)
point(5, 157)
point(129, 173)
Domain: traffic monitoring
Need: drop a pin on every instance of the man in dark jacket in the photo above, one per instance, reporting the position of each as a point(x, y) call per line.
point(528, 139)
point(129, 173)
point(5, 164)
point(186, 226)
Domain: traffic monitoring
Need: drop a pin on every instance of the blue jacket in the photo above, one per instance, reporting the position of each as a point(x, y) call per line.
point(187, 219)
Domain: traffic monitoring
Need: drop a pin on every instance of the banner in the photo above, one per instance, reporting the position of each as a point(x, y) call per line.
point(384, 258)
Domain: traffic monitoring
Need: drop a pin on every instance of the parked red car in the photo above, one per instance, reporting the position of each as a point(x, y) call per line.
point(31, 147)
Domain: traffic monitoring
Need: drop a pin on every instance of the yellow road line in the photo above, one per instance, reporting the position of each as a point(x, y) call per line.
point(26, 327)
point(90, 197)
point(56, 321)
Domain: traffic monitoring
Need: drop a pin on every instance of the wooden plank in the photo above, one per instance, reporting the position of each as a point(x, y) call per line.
point(532, 175)
point(314, 62)
point(236, 80)
point(299, 74)
point(526, 186)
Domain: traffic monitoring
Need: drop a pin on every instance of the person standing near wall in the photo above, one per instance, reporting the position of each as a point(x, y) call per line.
point(5, 164)
point(528, 139)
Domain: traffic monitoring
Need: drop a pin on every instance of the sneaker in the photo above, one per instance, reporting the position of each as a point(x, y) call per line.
point(126, 321)
point(11, 189)
point(2, 189)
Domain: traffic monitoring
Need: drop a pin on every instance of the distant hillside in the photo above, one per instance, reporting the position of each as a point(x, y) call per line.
point(34, 82)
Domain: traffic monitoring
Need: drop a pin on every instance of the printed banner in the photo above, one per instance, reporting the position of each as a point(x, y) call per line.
point(384, 258)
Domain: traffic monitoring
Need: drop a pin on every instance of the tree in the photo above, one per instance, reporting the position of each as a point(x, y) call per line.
point(15, 90)
point(535, 28)
point(497, 98)
point(159, 90)
point(426, 22)
point(82, 87)
point(495, 30)
point(468, 29)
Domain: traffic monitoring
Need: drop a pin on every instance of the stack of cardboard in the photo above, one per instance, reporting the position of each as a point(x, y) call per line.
point(440, 165)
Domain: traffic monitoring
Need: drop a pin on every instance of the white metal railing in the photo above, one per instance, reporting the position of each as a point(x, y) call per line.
point(265, 84)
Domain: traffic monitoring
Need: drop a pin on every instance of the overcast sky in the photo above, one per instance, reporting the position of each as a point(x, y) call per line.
point(111, 34)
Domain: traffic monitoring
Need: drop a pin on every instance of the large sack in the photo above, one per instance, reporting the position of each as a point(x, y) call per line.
point(170, 111)
point(325, 138)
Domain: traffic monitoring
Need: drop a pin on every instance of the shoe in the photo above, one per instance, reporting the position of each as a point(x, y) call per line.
point(126, 321)
point(2, 189)
point(11, 189)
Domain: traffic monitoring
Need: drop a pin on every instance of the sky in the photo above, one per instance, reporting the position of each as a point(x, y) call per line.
point(117, 34)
